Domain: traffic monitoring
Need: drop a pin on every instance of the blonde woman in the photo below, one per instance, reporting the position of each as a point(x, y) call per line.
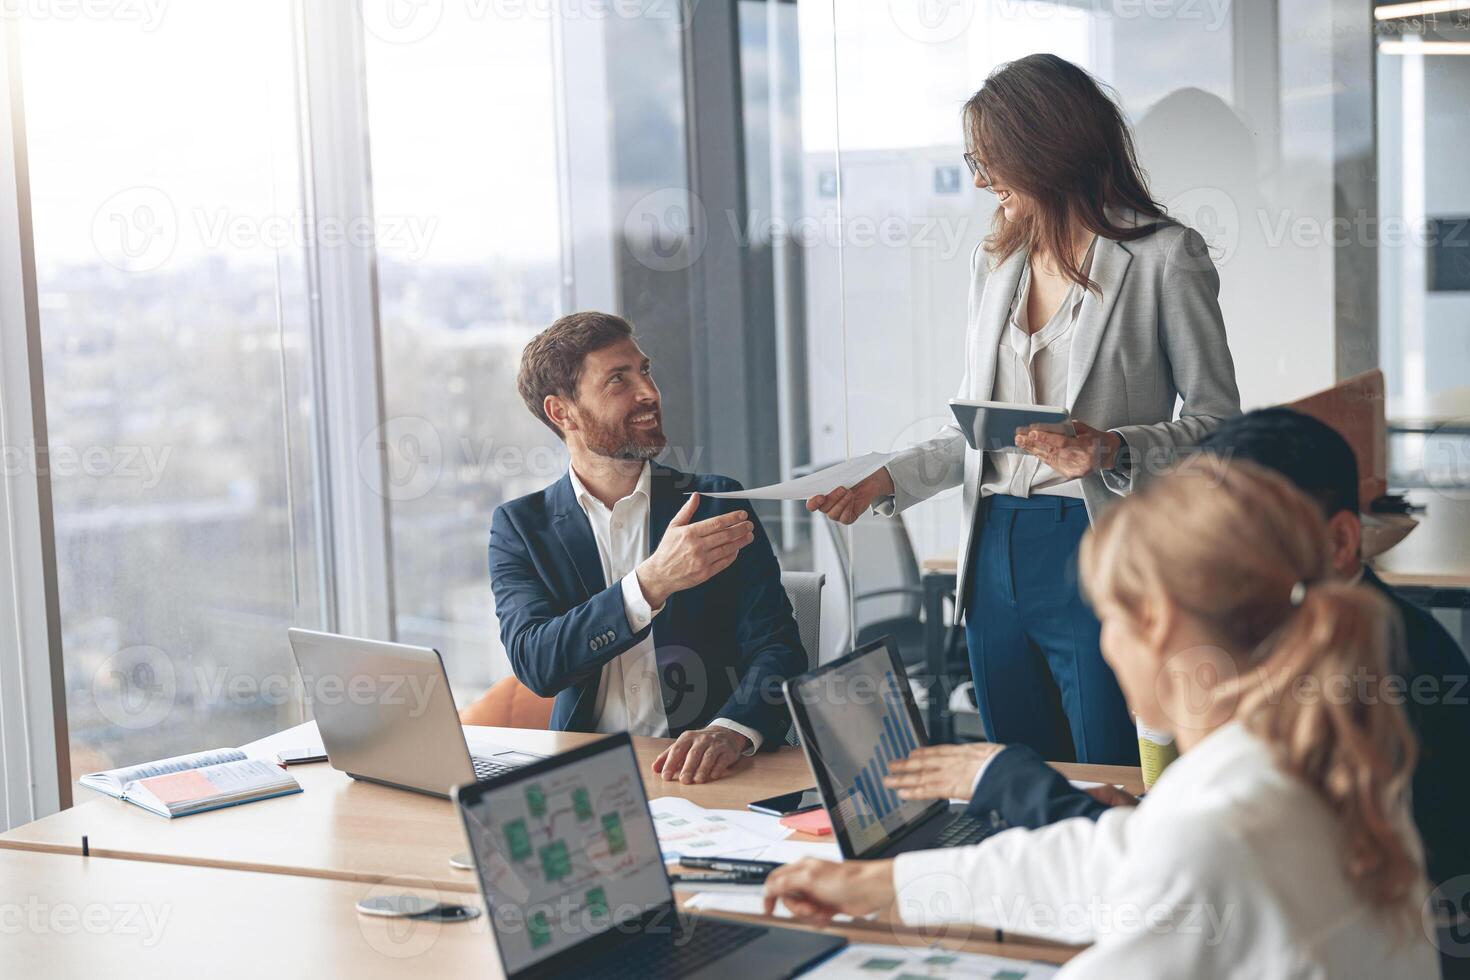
point(1279, 843)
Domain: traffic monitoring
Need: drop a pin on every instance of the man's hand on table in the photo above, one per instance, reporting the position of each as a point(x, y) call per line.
point(939, 772)
point(702, 756)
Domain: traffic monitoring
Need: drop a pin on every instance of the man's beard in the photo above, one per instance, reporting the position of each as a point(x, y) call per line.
point(618, 440)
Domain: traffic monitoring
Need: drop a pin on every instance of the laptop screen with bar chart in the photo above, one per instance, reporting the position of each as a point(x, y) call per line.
point(856, 715)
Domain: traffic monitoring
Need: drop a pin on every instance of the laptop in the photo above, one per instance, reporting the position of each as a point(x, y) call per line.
point(386, 715)
point(574, 881)
point(855, 715)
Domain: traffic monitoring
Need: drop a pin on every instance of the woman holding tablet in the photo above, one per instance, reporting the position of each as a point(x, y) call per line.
point(1091, 299)
point(1279, 843)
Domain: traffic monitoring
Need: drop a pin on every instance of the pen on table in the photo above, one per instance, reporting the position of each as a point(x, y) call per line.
point(718, 879)
point(732, 865)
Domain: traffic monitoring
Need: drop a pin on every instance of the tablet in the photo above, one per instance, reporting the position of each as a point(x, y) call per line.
point(991, 426)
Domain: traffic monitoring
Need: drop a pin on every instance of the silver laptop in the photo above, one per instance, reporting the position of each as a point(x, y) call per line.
point(386, 714)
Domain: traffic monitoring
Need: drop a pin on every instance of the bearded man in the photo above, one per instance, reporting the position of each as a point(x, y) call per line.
point(622, 591)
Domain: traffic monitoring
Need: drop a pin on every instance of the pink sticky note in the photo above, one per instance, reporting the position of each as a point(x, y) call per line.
point(811, 822)
point(176, 787)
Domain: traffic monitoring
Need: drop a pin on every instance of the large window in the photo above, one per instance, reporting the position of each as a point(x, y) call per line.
point(165, 176)
point(464, 164)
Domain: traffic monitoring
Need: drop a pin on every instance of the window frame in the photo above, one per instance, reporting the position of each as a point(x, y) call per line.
point(35, 760)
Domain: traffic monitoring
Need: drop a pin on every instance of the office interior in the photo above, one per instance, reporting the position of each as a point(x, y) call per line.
point(267, 269)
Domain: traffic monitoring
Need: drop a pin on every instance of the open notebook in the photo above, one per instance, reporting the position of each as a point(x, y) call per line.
point(194, 783)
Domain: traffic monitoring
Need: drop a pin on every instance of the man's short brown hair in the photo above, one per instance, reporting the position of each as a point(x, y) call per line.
point(551, 364)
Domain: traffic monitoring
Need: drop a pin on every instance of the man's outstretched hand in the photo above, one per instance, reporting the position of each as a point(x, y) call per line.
point(692, 554)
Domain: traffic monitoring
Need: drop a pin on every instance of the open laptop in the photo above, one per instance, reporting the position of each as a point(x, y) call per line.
point(575, 885)
point(386, 714)
point(855, 715)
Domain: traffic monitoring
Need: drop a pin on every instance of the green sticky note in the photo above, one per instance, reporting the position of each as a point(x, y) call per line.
point(556, 862)
point(536, 800)
point(597, 902)
point(612, 826)
point(518, 840)
point(582, 803)
point(882, 965)
point(538, 929)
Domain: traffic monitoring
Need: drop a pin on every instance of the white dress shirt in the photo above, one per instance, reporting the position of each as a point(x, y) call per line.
point(630, 696)
point(1032, 369)
point(1229, 867)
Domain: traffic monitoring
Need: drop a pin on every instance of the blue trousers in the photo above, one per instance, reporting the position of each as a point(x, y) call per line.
point(1040, 678)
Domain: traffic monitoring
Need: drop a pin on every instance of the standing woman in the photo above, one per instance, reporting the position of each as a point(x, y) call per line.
point(1094, 300)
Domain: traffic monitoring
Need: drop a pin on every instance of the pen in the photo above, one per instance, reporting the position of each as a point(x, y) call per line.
point(718, 879)
point(732, 865)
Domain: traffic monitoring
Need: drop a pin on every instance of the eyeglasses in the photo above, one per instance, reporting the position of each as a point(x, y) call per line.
point(976, 168)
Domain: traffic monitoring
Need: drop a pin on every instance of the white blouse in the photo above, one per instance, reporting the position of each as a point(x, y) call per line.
point(1230, 867)
point(1032, 369)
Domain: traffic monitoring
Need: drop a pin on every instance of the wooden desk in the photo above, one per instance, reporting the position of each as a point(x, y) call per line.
point(341, 828)
point(70, 916)
point(67, 916)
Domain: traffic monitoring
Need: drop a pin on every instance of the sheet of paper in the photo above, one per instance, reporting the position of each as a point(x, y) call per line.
point(822, 481)
point(752, 903)
point(786, 851)
point(686, 828)
point(870, 961)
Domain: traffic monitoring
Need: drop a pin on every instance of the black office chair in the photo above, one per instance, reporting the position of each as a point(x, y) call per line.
point(887, 593)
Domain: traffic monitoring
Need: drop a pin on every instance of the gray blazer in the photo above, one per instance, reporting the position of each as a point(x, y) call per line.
point(1154, 335)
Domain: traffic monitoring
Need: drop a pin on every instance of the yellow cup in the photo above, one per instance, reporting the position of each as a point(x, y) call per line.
point(1156, 750)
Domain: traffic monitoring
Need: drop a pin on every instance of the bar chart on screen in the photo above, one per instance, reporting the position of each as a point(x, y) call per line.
point(869, 799)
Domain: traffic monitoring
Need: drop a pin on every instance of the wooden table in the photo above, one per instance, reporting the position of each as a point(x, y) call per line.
point(66, 916)
point(307, 858)
point(346, 829)
point(70, 916)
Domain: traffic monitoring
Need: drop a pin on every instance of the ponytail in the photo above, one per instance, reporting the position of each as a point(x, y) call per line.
point(1306, 697)
point(1234, 546)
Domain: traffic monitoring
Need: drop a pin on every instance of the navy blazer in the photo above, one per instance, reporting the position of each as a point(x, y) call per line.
point(1024, 791)
point(723, 648)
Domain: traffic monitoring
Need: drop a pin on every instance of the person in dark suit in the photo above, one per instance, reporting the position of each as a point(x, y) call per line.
point(622, 591)
point(1014, 784)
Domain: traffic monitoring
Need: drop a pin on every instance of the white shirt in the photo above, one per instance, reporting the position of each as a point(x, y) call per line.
point(1032, 369)
point(629, 696)
point(1230, 867)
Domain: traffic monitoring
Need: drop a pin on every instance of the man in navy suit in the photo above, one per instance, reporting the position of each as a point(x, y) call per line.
point(622, 591)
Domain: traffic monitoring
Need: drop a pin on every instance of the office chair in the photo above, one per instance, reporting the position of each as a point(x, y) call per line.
point(887, 591)
point(804, 589)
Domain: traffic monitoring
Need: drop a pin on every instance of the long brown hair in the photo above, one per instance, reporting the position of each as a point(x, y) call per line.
point(1229, 543)
point(1047, 128)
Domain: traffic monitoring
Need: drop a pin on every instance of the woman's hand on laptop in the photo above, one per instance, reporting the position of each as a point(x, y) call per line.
point(702, 756)
point(939, 772)
point(816, 889)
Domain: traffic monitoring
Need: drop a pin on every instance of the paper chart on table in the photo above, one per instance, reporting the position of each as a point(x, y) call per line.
point(873, 962)
point(688, 829)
